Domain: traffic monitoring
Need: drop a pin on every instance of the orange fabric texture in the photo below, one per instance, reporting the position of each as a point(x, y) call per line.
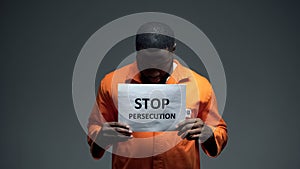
point(172, 151)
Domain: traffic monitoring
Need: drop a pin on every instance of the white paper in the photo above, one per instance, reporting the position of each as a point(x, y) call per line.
point(165, 108)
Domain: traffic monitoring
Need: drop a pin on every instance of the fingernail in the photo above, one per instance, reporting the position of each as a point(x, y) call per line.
point(130, 131)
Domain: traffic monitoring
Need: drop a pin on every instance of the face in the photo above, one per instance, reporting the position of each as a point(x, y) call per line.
point(155, 65)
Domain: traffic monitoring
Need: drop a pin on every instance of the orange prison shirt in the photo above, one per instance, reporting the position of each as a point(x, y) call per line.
point(170, 152)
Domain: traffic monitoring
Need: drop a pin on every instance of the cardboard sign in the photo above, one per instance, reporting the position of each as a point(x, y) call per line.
point(151, 107)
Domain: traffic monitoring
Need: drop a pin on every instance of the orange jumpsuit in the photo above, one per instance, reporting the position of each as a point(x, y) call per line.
point(170, 152)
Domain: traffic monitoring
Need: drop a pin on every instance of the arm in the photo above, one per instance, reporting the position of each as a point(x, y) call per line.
point(208, 127)
point(94, 127)
point(96, 150)
point(214, 122)
point(108, 134)
point(103, 130)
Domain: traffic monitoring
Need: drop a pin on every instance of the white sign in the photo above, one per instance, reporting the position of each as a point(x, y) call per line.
point(151, 107)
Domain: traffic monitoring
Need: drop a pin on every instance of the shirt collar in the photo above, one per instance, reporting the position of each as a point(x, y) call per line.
point(179, 74)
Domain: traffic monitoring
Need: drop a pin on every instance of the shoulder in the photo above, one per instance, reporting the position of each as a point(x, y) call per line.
point(203, 84)
point(118, 74)
point(201, 80)
point(115, 77)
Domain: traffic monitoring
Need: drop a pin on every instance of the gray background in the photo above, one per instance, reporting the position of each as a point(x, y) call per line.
point(257, 41)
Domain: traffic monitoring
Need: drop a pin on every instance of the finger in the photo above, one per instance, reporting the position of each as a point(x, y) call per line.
point(123, 131)
point(115, 134)
point(116, 131)
point(190, 127)
point(185, 122)
point(188, 121)
point(184, 129)
point(194, 131)
point(117, 124)
point(193, 137)
point(198, 124)
point(189, 133)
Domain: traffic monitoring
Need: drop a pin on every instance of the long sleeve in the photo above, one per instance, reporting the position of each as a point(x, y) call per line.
point(102, 112)
point(211, 117)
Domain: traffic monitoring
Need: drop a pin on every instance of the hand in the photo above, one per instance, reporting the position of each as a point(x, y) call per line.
point(114, 132)
point(194, 129)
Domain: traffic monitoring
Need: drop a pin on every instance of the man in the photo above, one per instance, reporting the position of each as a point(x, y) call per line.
point(155, 45)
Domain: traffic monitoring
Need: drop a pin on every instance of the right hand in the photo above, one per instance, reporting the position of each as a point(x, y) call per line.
point(114, 132)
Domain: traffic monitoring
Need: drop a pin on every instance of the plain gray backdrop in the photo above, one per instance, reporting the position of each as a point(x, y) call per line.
point(258, 43)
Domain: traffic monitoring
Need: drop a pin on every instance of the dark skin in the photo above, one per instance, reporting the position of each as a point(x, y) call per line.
point(155, 66)
point(113, 132)
point(110, 133)
point(196, 129)
point(193, 129)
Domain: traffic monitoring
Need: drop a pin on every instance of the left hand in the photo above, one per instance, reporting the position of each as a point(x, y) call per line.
point(194, 129)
